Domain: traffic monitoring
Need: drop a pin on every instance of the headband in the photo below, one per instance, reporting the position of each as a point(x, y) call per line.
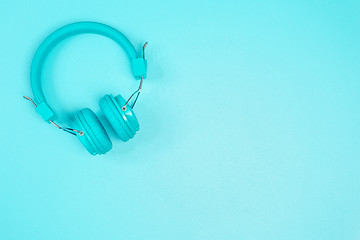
point(139, 64)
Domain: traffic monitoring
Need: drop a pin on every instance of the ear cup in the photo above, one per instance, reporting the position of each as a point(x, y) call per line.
point(124, 123)
point(129, 113)
point(95, 138)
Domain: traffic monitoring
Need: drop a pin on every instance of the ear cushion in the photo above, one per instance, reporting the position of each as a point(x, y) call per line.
point(124, 123)
point(95, 138)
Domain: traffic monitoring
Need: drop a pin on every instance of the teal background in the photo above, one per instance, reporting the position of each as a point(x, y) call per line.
point(249, 122)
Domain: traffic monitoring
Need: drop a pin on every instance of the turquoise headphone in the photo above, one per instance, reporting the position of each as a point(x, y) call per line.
point(86, 126)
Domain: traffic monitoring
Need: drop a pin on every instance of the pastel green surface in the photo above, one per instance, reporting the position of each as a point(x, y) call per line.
point(250, 124)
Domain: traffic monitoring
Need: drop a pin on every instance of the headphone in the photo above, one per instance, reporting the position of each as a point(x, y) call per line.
point(86, 125)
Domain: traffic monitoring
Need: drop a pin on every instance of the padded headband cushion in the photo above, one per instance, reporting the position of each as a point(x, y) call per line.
point(95, 138)
point(139, 65)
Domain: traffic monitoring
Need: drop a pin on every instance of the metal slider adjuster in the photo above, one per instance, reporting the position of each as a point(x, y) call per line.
point(140, 86)
point(68, 130)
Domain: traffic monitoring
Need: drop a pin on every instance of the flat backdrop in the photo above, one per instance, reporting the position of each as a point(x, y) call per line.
point(250, 122)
